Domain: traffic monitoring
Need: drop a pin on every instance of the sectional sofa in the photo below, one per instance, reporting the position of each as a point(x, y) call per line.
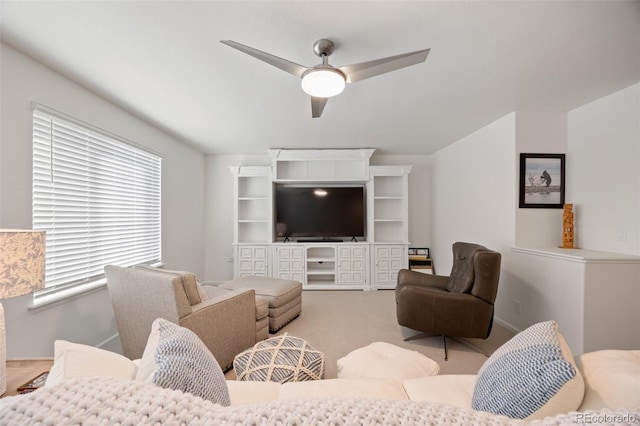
point(90, 386)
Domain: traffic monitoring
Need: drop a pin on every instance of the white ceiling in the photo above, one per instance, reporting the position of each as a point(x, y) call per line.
point(162, 61)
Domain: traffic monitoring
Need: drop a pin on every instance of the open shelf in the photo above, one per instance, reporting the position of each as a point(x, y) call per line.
point(321, 265)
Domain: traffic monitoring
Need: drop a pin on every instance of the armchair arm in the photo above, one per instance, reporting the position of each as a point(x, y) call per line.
point(406, 276)
point(226, 324)
point(487, 271)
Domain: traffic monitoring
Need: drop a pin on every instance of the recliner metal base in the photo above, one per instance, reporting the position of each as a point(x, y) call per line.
point(444, 339)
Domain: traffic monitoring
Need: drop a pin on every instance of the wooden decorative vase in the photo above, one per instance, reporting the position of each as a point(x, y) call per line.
point(567, 226)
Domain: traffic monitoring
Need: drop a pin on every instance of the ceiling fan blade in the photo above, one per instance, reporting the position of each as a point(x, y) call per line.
point(317, 106)
point(357, 72)
point(283, 64)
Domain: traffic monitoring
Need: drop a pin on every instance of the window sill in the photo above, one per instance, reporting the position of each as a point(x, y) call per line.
point(64, 295)
point(60, 297)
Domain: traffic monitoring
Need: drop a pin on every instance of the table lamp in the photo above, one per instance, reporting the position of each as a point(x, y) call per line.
point(21, 272)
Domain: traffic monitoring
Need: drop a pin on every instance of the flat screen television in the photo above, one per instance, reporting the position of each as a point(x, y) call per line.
point(320, 213)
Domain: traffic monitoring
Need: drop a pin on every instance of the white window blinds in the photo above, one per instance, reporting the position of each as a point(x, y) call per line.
point(97, 197)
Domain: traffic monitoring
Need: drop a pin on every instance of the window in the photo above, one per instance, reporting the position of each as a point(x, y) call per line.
point(97, 197)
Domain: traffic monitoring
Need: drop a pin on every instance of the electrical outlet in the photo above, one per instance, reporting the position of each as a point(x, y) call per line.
point(621, 234)
point(517, 306)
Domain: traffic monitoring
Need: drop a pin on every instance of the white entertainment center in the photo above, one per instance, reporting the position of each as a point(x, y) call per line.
point(367, 265)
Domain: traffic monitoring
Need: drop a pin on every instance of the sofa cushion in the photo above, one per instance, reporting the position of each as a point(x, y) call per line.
point(101, 401)
point(450, 389)
point(531, 376)
point(74, 360)
point(612, 380)
point(176, 358)
point(242, 393)
point(383, 360)
point(389, 389)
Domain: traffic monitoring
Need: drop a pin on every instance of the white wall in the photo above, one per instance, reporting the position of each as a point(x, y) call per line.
point(603, 175)
point(473, 197)
point(219, 205)
point(539, 132)
point(87, 318)
point(602, 145)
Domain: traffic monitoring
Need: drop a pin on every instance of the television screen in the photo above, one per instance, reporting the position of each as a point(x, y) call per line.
point(319, 212)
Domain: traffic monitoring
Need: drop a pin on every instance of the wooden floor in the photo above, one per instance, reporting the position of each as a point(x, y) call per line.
point(20, 372)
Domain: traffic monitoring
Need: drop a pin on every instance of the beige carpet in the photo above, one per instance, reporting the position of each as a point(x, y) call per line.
point(337, 322)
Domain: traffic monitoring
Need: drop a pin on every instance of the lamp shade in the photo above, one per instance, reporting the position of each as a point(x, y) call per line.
point(21, 262)
point(323, 82)
point(21, 272)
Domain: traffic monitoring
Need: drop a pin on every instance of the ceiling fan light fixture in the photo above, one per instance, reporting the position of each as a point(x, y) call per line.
point(323, 82)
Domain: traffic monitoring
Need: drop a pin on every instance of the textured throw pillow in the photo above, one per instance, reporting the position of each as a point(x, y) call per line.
point(176, 358)
point(531, 376)
point(73, 360)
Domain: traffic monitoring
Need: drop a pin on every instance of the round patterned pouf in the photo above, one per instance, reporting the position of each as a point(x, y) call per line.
point(280, 359)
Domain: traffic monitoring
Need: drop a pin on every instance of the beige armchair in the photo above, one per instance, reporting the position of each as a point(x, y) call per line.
point(226, 323)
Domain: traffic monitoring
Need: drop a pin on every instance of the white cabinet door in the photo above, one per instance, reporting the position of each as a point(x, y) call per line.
point(387, 262)
point(289, 263)
point(352, 265)
point(252, 260)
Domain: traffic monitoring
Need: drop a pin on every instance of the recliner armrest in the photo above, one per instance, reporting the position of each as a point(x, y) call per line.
point(406, 276)
point(487, 275)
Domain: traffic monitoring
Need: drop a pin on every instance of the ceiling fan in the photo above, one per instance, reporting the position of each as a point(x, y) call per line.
point(323, 81)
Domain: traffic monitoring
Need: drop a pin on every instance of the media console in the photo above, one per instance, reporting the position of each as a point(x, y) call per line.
point(322, 263)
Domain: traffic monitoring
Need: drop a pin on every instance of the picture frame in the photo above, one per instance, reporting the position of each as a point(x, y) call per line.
point(542, 181)
point(422, 252)
point(34, 383)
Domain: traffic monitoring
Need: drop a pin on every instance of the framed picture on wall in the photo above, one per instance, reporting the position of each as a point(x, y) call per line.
point(542, 181)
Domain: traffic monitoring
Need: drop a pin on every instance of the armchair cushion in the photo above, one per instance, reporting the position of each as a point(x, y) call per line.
point(462, 273)
point(176, 358)
point(194, 291)
point(531, 376)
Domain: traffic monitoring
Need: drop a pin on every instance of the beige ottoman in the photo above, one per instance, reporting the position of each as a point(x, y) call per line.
point(284, 296)
point(382, 360)
point(262, 318)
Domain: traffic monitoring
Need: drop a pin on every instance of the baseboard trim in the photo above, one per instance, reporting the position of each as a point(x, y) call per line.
point(506, 325)
point(107, 341)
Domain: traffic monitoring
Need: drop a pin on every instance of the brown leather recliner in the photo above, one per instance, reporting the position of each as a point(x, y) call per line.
point(460, 305)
